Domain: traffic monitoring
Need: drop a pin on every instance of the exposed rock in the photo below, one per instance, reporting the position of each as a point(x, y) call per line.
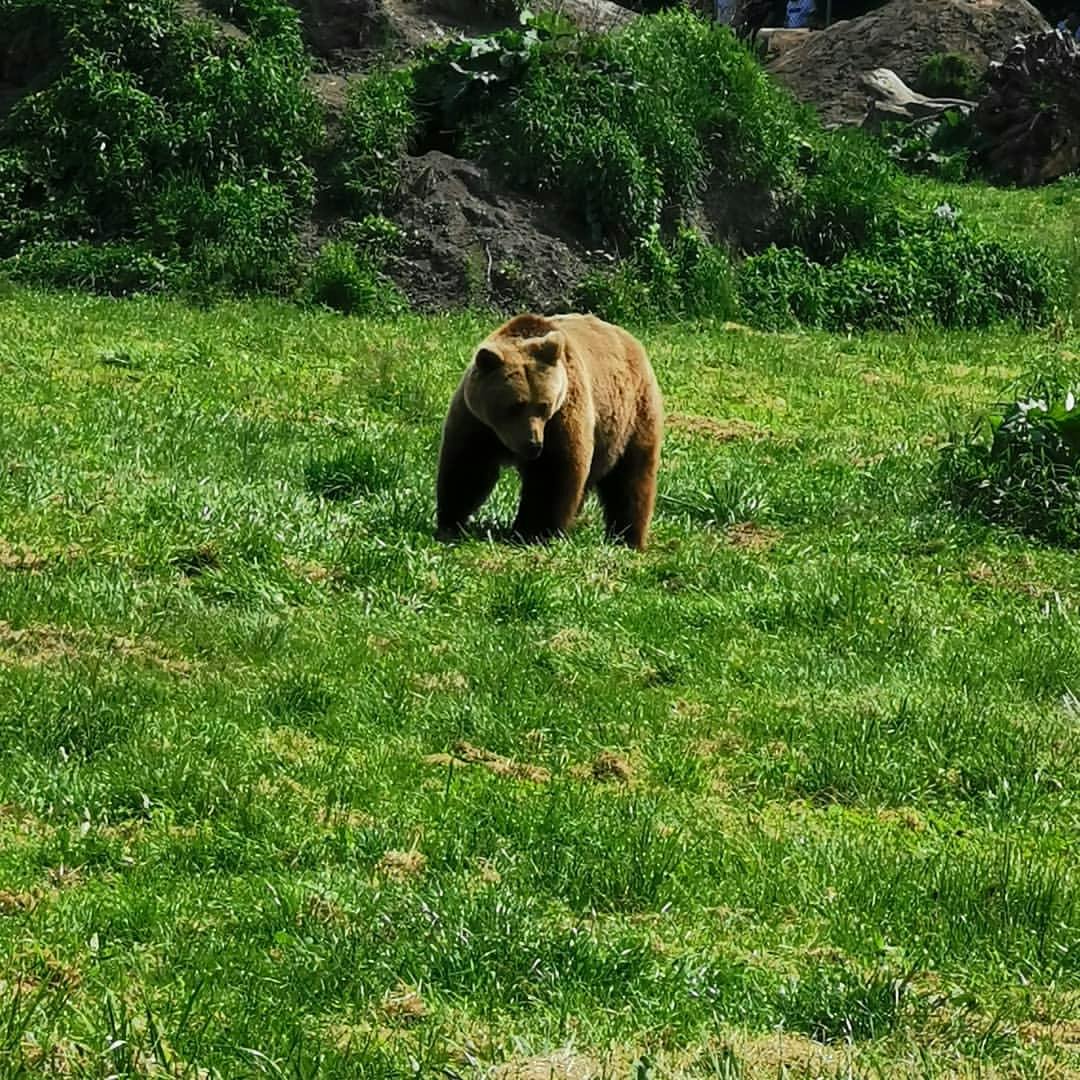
point(1030, 117)
point(824, 70)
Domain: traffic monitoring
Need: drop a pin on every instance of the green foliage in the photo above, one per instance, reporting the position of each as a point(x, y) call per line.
point(116, 267)
point(347, 274)
point(150, 114)
point(851, 197)
point(949, 75)
point(462, 79)
point(625, 131)
point(686, 279)
point(375, 133)
point(625, 127)
point(937, 272)
point(1021, 467)
point(940, 147)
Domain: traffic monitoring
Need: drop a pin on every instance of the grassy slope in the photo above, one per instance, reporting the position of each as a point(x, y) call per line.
point(844, 799)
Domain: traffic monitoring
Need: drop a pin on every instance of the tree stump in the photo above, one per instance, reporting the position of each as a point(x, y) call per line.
point(1029, 119)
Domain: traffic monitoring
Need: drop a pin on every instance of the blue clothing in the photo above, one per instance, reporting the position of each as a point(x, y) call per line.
point(799, 13)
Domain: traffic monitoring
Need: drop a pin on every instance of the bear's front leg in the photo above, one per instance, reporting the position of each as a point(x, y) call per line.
point(469, 464)
point(552, 491)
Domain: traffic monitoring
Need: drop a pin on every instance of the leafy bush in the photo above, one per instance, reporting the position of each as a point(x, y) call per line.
point(149, 113)
point(376, 129)
point(347, 276)
point(624, 127)
point(851, 197)
point(936, 271)
point(688, 278)
point(1023, 467)
point(949, 75)
point(941, 147)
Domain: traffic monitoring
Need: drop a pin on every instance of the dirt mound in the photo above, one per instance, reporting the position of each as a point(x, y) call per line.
point(824, 69)
point(470, 242)
point(348, 34)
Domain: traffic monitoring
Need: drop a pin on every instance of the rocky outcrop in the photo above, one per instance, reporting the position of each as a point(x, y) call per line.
point(825, 69)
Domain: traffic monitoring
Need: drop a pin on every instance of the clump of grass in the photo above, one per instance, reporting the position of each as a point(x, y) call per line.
point(358, 470)
point(348, 280)
point(685, 278)
point(949, 75)
point(937, 271)
point(1022, 469)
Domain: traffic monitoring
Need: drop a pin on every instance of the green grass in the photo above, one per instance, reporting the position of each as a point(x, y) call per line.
point(1045, 216)
point(839, 833)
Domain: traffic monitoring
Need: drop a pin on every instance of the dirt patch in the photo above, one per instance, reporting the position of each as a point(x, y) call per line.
point(729, 430)
point(824, 69)
point(1005, 579)
point(466, 754)
point(1062, 1033)
point(312, 572)
point(561, 1065)
point(607, 768)
point(18, 903)
point(34, 645)
point(442, 682)
point(16, 557)
point(401, 865)
point(746, 536)
point(774, 1055)
point(471, 242)
point(403, 1004)
point(47, 644)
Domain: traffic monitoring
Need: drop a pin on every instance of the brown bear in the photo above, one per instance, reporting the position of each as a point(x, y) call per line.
point(572, 403)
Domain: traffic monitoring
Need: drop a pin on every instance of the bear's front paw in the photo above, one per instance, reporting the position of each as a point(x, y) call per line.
point(447, 534)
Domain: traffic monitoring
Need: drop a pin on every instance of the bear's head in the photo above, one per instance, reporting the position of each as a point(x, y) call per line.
point(515, 386)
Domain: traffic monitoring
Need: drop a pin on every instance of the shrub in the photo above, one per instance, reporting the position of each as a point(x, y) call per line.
point(624, 127)
point(935, 271)
point(376, 129)
point(949, 75)
point(688, 278)
point(1022, 467)
point(147, 112)
point(851, 197)
point(941, 148)
point(346, 277)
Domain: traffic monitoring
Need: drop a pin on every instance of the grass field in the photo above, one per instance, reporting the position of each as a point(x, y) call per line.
point(287, 788)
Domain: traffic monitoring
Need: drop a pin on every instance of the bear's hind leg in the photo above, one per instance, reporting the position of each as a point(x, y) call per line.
point(628, 494)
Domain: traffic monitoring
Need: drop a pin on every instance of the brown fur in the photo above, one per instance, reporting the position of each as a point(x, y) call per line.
point(572, 403)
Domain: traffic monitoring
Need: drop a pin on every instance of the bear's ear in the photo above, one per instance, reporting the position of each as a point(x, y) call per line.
point(549, 348)
point(486, 360)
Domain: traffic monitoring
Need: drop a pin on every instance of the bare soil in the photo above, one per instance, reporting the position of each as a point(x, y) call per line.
point(469, 241)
